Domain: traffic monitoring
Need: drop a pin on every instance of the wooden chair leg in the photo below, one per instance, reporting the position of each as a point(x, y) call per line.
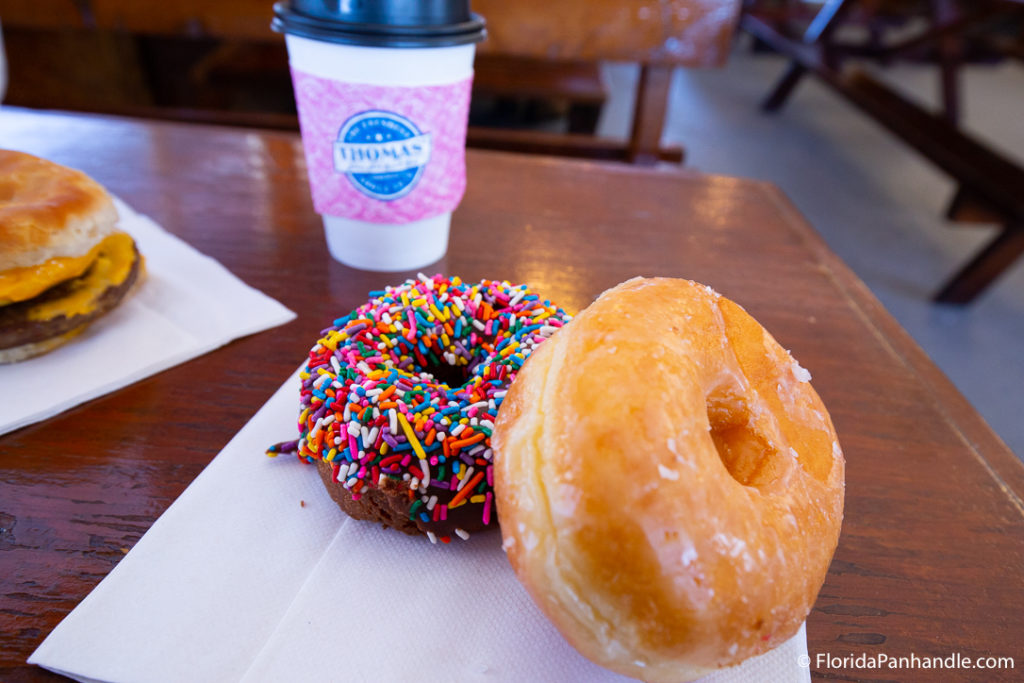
point(950, 52)
point(818, 33)
point(785, 85)
point(649, 114)
point(985, 267)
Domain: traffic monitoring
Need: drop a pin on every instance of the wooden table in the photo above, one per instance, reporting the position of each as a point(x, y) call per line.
point(931, 560)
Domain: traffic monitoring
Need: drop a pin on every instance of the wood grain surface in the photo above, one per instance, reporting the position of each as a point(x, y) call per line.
point(931, 559)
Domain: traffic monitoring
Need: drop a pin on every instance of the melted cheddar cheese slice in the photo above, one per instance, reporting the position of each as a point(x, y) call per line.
point(20, 284)
point(24, 284)
point(112, 264)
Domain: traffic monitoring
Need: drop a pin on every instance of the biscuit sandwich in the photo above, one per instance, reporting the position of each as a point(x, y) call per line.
point(63, 261)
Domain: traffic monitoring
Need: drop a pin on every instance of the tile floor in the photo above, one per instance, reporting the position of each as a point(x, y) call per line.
point(876, 202)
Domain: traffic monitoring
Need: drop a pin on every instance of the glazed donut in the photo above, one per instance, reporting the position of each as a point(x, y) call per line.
point(669, 485)
point(399, 397)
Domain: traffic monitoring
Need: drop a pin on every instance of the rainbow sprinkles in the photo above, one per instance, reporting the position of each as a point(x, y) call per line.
point(401, 395)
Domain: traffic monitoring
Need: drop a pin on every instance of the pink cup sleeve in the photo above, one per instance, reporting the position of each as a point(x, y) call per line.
point(383, 154)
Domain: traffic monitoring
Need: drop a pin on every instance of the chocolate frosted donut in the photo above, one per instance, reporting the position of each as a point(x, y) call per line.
point(399, 399)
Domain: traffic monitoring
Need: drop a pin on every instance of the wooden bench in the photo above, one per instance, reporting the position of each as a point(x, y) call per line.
point(991, 185)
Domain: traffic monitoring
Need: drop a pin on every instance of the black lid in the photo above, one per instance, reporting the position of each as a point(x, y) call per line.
point(381, 23)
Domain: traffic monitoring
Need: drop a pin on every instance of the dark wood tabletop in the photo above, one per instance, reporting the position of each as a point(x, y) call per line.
point(931, 558)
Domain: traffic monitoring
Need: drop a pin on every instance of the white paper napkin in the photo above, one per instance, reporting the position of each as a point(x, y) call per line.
point(188, 304)
point(254, 574)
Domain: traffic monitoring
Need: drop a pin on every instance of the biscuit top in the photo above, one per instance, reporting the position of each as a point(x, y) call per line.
point(48, 211)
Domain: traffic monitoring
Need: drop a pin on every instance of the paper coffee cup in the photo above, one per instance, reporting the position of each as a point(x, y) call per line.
point(383, 111)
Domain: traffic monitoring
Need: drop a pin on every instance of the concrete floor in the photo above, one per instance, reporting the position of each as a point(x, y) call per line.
point(876, 202)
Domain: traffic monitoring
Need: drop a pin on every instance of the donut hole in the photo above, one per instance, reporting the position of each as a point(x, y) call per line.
point(456, 376)
point(746, 453)
point(451, 375)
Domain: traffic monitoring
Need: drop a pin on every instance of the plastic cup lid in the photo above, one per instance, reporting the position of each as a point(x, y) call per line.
point(381, 23)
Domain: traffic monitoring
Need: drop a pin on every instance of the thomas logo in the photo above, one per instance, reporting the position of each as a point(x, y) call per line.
point(382, 153)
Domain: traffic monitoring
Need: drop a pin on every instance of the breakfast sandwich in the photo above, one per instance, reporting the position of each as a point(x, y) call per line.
point(63, 262)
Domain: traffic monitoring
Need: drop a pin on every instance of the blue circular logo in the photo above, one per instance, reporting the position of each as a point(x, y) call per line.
point(382, 153)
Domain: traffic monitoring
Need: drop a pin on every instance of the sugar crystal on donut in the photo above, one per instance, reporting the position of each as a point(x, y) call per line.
point(399, 398)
